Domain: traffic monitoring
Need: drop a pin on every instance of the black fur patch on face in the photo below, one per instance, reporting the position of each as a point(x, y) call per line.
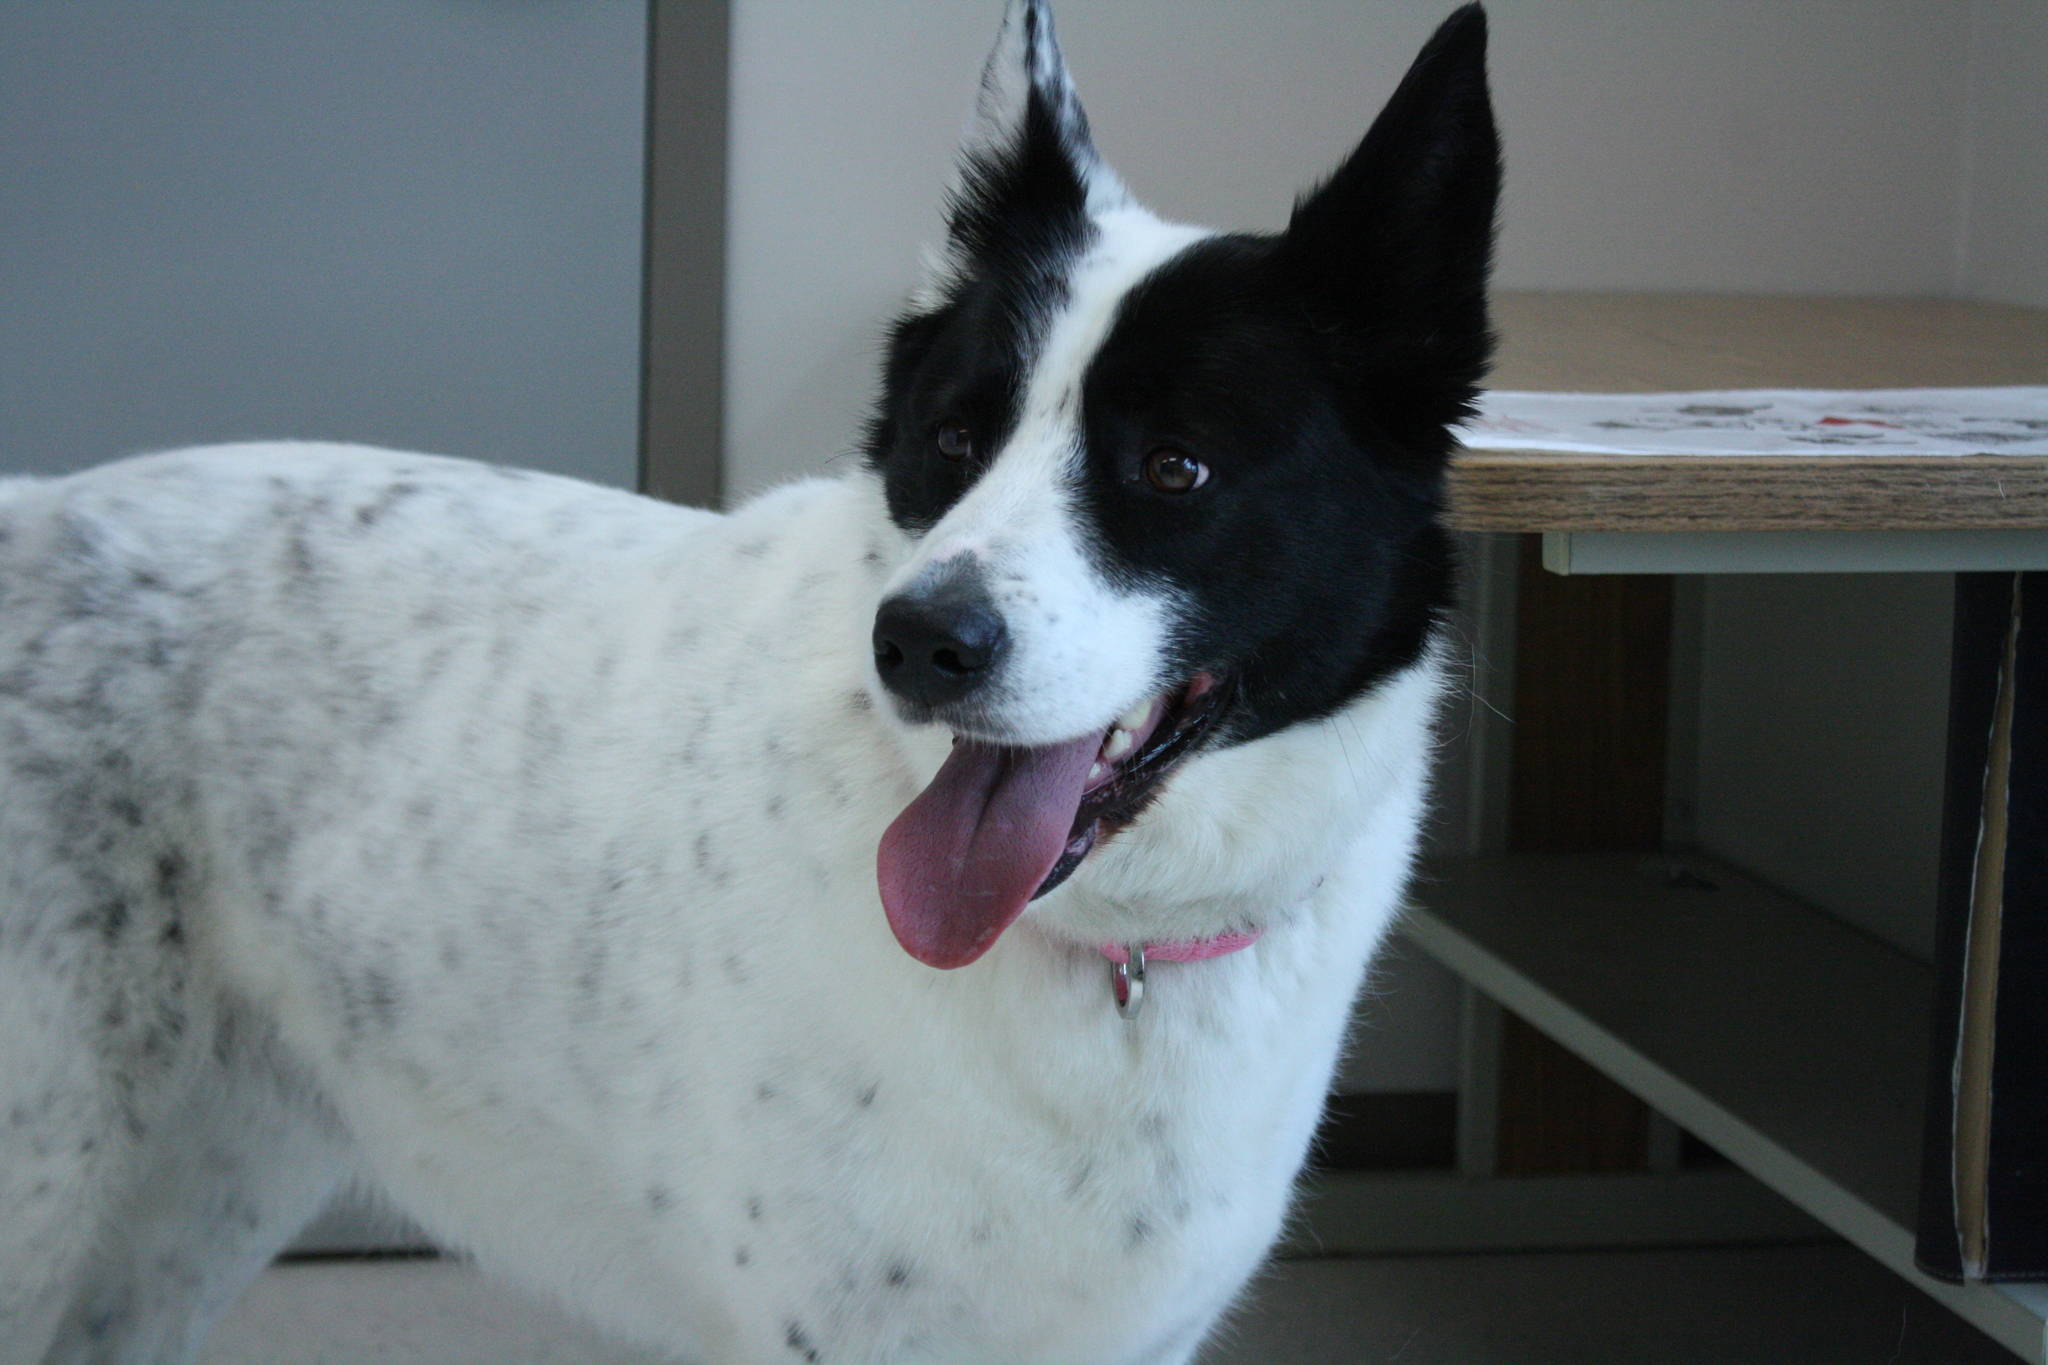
point(1016, 221)
point(963, 364)
point(1310, 558)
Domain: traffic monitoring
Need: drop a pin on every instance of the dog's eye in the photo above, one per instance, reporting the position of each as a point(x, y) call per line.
point(954, 440)
point(1174, 471)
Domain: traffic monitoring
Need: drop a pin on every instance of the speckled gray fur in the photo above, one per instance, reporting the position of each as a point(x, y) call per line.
point(299, 822)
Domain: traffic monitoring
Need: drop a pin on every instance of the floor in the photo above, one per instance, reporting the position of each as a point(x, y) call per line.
point(1797, 1305)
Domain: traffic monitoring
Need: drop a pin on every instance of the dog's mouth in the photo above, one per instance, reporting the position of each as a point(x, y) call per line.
point(1001, 825)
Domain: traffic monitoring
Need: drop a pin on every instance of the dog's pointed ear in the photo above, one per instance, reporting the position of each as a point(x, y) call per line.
point(1392, 253)
point(1029, 174)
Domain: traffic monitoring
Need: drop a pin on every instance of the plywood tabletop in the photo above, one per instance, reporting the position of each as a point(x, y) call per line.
point(1622, 343)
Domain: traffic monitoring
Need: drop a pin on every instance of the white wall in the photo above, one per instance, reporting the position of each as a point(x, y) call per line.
point(414, 222)
point(1739, 145)
point(2004, 246)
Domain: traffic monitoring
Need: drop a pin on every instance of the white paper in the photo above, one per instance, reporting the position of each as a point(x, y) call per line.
point(2007, 421)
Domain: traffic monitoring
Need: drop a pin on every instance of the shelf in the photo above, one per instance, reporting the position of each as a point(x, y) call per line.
point(1791, 1042)
point(1711, 552)
point(1648, 343)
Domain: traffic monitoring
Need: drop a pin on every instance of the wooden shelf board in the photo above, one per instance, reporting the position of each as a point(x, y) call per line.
point(1779, 552)
point(1791, 1042)
point(1617, 343)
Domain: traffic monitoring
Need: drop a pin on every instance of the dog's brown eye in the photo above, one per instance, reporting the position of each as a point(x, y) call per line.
point(954, 440)
point(1175, 471)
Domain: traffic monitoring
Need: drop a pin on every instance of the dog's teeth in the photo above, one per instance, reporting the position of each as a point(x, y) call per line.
point(1135, 718)
point(1095, 772)
point(1119, 744)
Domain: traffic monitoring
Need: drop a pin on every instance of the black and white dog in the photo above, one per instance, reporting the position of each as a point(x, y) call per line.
point(572, 868)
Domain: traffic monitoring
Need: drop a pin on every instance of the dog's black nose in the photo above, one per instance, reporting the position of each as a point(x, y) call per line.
point(937, 646)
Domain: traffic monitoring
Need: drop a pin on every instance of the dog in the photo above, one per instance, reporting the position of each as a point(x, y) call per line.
point(910, 918)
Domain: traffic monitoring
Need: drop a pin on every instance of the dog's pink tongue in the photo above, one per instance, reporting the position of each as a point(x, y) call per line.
point(963, 859)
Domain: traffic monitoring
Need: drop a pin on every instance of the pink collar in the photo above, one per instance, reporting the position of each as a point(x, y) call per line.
point(1187, 949)
point(1127, 961)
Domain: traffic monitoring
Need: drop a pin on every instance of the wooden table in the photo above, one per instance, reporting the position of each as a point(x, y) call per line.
point(1646, 343)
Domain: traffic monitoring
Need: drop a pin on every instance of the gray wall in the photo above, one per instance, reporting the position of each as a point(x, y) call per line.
point(411, 222)
point(1822, 728)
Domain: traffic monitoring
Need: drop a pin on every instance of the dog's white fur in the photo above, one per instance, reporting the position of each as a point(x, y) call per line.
point(508, 845)
point(524, 868)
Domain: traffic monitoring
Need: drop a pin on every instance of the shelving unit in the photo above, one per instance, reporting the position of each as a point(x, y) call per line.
point(1790, 1042)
